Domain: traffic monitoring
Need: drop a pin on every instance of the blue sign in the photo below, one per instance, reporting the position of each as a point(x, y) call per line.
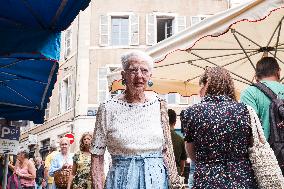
point(10, 132)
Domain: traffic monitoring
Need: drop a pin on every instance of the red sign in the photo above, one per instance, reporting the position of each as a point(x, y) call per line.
point(70, 136)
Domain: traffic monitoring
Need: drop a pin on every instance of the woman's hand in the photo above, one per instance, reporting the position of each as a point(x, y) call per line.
point(19, 174)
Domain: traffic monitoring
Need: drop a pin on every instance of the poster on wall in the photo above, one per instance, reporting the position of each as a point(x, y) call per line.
point(9, 139)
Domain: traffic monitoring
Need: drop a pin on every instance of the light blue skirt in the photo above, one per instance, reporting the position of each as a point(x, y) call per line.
point(145, 171)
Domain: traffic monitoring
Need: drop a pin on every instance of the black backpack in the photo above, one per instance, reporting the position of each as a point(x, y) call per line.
point(276, 119)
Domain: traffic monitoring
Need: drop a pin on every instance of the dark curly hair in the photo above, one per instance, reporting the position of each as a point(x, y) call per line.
point(219, 82)
point(82, 146)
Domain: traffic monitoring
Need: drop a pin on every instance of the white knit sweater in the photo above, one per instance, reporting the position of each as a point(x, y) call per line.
point(128, 128)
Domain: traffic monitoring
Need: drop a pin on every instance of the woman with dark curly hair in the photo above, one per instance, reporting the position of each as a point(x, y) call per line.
point(81, 170)
point(218, 134)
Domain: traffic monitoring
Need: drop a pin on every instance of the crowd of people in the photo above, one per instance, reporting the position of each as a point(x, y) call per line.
point(138, 131)
point(217, 131)
point(33, 173)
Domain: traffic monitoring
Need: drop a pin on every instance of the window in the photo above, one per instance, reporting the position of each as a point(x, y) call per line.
point(45, 144)
point(175, 98)
point(119, 31)
point(196, 99)
point(197, 19)
point(164, 28)
point(172, 98)
point(65, 94)
point(68, 42)
point(183, 99)
point(163, 25)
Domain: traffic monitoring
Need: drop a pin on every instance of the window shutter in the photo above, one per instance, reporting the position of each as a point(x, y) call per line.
point(69, 92)
point(151, 29)
point(68, 42)
point(134, 29)
point(47, 111)
point(59, 98)
point(104, 36)
point(181, 23)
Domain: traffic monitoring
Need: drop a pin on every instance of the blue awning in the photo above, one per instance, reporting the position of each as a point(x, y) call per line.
point(25, 87)
point(30, 33)
point(55, 15)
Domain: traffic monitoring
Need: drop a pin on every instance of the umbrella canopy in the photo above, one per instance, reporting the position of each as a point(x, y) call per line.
point(234, 39)
point(29, 53)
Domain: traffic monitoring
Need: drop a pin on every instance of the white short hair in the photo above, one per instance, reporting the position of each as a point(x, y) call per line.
point(64, 139)
point(140, 55)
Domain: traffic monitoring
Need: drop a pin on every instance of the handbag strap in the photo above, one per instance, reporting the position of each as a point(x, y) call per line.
point(168, 151)
point(257, 131)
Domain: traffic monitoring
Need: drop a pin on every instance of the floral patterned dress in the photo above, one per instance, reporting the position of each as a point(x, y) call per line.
point(82, 178)
point(219, 128)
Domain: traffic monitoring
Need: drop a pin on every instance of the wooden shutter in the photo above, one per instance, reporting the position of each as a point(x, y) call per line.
point(134, 29)
point(47, 111)
point(68, 42)
point(69, 92)
point(59, 98)
point(151, 29)
point(104, 34)
point(181, 23)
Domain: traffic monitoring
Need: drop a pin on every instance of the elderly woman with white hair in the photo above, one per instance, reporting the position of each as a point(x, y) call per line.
point(134, 127)
point(62, 160)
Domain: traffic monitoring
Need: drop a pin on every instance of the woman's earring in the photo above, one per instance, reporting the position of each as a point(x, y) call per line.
point(123, 81)
point(150, 83)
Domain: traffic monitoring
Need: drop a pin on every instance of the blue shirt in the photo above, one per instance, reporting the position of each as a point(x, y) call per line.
point(58, 161)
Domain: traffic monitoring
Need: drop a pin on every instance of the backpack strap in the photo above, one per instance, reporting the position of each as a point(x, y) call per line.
point(266, 90)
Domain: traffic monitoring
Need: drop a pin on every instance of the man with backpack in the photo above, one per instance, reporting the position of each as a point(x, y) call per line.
point(266, 97)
